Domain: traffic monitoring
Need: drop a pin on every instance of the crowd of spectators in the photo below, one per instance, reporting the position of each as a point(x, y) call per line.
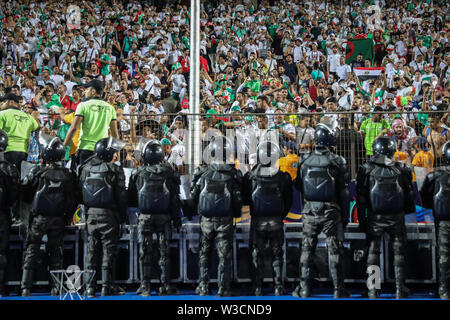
point(282, 61)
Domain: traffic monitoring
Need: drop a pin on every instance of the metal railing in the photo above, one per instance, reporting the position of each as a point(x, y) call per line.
point(294, 133)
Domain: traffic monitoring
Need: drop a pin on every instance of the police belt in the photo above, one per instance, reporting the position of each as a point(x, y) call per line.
point(101, 211)
point(315, 208)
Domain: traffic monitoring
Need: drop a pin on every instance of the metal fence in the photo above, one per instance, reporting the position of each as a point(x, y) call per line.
point(419, 136)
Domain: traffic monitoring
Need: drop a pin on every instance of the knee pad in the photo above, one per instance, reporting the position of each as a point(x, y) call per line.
point(374, 247)
point(398, 246)
point(333, 244)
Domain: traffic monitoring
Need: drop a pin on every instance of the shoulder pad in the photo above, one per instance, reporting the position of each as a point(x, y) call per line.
point(303, 157)
point(366, 167)
point(200, 170)
point(403, 167)
point(433, 175)
point(338, 160)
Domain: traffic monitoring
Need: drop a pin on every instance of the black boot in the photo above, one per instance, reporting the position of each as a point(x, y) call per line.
point(167, 289)
point(145, 288)
point(224, 285)
point(2, 283)
point(278, 279)
point(107, 282)
point(373, 293)
point(203, 286)
point(305, 282)
point(115, 289)
point(91, 283)
point(27, 282)
point(443, 286)
point(338, 282)
point(402, 291)
point(257, 291)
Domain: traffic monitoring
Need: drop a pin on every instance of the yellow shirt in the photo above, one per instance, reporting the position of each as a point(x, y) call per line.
point(289, 164)
point(76, 137)
point(423, 159)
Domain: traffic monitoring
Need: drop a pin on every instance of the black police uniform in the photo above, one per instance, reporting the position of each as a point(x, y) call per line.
point(218, 196)
point(323, 181)
point(435, 193)
point(268, 191)
point(54, 190)
point(104, 196)
point(154, 189)
point(384, 194)
point(9, 194)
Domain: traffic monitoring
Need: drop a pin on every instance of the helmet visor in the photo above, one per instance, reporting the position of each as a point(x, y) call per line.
point(46, 140)
point(116, 144)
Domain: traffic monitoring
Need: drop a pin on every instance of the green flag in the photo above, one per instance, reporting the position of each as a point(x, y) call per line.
point(356, 46)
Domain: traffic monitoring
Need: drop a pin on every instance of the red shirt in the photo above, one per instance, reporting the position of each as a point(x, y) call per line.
point(65, 101)
point(120, 30)
point(313, 92)
point(204, 64)
point(73, 105)
point(184, 61)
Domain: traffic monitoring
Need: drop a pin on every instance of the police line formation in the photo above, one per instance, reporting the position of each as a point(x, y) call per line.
point(384, 193)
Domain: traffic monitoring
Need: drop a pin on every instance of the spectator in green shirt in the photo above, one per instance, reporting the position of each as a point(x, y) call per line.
point(254, 85)
point(18, 125)
point(371, 128)
point(95, 117)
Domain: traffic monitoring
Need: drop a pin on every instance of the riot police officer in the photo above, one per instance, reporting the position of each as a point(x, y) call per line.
point(217, 194)
point(384, 194)
point(105, 198)
point(154, 189)
point(323, 181)
point(435, 193)
point(54, 190)
point(9, 193)
point(268, 190)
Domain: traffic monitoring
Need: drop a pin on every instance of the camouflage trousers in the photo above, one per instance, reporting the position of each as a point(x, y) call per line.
point(149, 225)
point(5, 227)
point(329, 222)
point(394, 225)
point(54, 227)
point(219, 230)
point(267, 230)
point(102, 230)
point(443, 241)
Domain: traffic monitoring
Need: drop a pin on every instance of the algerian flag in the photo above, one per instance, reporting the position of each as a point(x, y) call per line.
point(365, 74)
point(356, 46)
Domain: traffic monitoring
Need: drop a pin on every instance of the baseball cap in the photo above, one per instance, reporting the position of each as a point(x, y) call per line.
point(96, 84)
point(390, 95)
point(166, 142)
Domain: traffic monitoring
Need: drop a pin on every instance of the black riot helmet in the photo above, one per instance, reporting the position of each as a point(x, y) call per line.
point(384, 146)
point(106, 148)
point(446, 153)
point(268, 154)
point(324, 136)
point(152, 153)
point(3, 141)
point(220, 150)
point(52, 148)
